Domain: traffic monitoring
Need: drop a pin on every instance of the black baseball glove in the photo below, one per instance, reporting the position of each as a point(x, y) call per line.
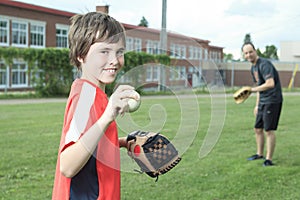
point(153, 152)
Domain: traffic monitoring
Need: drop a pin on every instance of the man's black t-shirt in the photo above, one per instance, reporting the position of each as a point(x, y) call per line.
point(261, 71)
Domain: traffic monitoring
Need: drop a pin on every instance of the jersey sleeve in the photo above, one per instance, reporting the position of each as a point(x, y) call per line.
point(77, 114)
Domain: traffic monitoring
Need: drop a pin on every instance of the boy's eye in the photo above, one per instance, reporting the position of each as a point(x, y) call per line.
point(105, 52)
point(120, 53)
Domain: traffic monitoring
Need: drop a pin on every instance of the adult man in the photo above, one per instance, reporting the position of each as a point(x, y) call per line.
point(268, 104)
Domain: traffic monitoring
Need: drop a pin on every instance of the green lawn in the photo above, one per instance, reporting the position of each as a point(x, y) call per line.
point(30, 135)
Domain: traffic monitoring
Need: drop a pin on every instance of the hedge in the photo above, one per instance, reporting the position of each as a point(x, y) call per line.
point(52, 73)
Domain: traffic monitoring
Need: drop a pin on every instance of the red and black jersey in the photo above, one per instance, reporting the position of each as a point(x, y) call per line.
point(100, 177)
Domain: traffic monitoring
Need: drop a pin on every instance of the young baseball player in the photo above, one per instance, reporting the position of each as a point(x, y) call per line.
point(88, 164)
point(268, 104)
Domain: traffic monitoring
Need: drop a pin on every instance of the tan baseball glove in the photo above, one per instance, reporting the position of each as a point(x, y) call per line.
point(242, 94)
point(153, 152)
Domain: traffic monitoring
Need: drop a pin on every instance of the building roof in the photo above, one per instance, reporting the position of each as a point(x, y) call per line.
point(22, 5)
point(170, 33)
point(36, 8)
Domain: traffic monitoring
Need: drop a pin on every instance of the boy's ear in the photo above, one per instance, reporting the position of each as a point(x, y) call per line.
point(80, 59)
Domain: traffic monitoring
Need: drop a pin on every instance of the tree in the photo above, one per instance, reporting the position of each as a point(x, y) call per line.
point(259, 53)
point(143, 22)
point(270, 51)
point(227, 57)
point(247, 38)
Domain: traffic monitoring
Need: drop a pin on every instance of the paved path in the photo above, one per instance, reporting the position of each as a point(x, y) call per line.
point(26, 101)
point(64, 100)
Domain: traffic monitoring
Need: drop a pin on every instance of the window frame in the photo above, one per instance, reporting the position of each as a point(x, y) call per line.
point(152, 73)
point(64, 36)
point(3, 19)
point(19, 30)
point(4, 74)
point(43, 33)
point(19, 72)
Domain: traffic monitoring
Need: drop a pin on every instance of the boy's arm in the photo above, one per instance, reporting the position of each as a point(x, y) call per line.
point(123, 142)
point(73, 158)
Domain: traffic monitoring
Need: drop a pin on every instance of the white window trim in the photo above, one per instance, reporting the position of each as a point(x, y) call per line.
point(62, 27)
point(43, 24)
point(153, 47)
point(138, 44)
point(26, 71)
point(27, 34)
point(129, 44)
point(178, 73)
point(192, 52)
point(8, 32)
point(151, 71)
point(7, 76)
point(178, 51)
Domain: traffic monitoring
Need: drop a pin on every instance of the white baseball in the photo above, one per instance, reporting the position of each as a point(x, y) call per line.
point(134, 104)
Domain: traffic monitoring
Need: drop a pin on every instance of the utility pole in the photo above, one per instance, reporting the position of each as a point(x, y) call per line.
point(163, 43)
point(163, 32)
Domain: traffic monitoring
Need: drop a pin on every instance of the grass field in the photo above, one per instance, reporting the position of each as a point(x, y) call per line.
point(30, 135)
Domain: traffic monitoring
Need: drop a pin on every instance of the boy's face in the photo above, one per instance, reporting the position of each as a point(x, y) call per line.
point(102, 62)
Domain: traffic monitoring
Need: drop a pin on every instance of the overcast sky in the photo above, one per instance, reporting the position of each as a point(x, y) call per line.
point(223, 22)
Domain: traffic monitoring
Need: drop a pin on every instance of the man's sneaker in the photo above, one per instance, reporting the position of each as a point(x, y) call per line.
point(255, 157)
point(268, 163)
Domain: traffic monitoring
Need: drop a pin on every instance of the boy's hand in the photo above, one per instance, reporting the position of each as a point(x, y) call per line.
point(118, 102)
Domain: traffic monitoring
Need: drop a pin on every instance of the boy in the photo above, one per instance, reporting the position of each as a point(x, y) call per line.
point(88, 164)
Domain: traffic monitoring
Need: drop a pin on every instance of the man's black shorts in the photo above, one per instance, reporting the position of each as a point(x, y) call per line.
point(268, 116)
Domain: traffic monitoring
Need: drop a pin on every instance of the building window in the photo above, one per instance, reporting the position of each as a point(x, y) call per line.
point(19, 75)
point(19, 34)
point(195, 53)
point(129, 44)
point(61, 36)
point(138, 44)
point(4, 34)
point(153, 47)
point(191, 52)
point(37, 35)
point(152, 73)
point(3, 75)
point(178, 73)
point(200, 54)
point(134, 44)
point(183, 52)
point(178, 51)
point(205, 54)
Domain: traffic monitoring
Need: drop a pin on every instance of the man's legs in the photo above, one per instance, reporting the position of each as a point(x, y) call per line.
point(260, 140)
point(271, 117)
point(271, 141)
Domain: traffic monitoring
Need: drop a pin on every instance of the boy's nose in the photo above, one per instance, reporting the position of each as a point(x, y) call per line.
point(113, 59)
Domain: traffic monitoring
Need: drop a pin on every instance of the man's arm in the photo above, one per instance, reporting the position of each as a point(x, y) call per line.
point(266, 86)
point(263, 87)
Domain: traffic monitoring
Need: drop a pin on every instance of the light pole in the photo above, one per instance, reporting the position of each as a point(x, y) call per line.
point(163, 43)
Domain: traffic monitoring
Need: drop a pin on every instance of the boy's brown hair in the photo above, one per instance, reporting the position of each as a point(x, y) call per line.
point(90, 28)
